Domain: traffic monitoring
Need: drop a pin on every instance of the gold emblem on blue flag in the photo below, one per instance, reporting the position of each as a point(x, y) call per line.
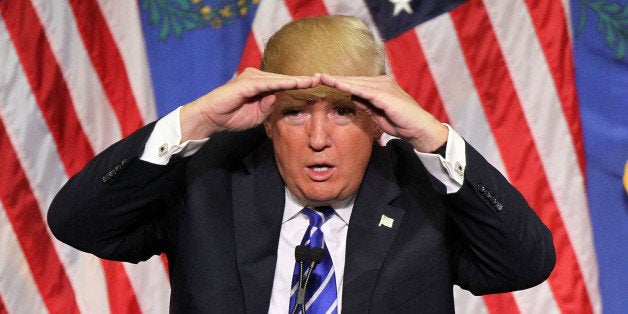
point(174, 17)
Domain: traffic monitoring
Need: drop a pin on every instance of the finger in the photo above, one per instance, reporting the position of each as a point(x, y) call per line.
point(354, 84)
point(255, 73)
point(280, 83)
point(361, 80)
point(341, 83)
point(381, 91)
point(253, 87)
point(373, 95)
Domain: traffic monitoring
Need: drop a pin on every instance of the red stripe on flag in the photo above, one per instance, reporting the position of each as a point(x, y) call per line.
point(3, 309)
point(164, 259)
point(108, 63)
point(31, 232)
point(121, 296)
point(408, 65)
point(305, 8)
point(251, 55)
point(502, 303)
point(554, 38)
point(47, 84)
point(53, 97)
point(522, 161)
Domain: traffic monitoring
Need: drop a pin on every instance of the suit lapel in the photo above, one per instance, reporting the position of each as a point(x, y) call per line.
point(373, 227)
point(258, 202)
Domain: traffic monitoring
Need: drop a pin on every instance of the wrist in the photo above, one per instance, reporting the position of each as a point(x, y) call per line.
point(194, 125)
point(442, 150)
point(432, 140)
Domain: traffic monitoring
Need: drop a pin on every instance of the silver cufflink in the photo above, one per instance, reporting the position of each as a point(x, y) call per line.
point(458, 168)
point(163, 149)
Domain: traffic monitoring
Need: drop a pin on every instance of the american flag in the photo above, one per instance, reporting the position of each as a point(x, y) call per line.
point(74, 78)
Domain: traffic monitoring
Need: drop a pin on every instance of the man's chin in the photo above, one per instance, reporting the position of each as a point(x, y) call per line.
point(317, 198)
point(323, 199)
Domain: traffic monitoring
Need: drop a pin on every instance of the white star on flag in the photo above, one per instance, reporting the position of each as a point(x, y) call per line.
point(401, 5)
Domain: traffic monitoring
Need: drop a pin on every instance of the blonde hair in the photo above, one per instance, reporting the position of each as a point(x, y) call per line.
point(333, 44)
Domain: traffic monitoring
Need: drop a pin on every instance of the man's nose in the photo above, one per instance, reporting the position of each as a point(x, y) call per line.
point(318, 132)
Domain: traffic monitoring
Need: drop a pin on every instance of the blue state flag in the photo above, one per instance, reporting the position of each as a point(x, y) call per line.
point(601, 64)
point(193, 46)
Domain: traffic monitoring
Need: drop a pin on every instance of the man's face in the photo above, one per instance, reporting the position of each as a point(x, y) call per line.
point(322, 146)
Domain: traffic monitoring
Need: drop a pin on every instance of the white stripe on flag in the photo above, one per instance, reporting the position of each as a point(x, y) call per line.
point(37, 153)
point(539, 299)
point(151, 285)
point(465, 302)
point(270, 16)
point(567, 7)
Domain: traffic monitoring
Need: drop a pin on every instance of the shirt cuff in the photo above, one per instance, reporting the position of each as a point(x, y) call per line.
point(165, 141)
point(448, 170)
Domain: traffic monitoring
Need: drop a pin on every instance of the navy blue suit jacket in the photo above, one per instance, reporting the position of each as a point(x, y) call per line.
point(217, 216)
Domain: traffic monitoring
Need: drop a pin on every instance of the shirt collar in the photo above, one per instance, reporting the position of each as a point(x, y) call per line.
point(293, 207)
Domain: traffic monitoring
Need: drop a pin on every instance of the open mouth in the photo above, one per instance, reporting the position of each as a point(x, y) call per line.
point(319, 168)
point(320, 172)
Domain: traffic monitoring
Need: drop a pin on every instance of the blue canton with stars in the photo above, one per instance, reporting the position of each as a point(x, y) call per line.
point(394, 17)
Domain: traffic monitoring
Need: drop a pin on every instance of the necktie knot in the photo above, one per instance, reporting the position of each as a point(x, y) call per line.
point(318, 215)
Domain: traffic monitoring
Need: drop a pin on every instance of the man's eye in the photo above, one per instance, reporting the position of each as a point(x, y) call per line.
point(343, 111)
point(292, 112)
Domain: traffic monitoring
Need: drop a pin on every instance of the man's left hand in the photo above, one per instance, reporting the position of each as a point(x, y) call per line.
point(392, 109)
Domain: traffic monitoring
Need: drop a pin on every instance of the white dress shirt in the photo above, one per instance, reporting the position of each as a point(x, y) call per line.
point(293, 226)
point(164, 142)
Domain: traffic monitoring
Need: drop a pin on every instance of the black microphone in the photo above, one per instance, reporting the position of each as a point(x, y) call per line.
point(301, 255)
point(315, 257)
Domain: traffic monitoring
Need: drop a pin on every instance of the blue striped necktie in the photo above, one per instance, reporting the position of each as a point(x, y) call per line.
point(320, 296)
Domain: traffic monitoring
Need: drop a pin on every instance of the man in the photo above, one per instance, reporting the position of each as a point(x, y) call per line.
point(409, 220)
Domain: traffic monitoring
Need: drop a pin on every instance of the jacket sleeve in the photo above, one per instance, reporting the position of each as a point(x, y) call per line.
point(119, 207)
point(499, 243)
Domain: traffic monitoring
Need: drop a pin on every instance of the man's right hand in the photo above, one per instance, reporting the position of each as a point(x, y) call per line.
point(242, 103)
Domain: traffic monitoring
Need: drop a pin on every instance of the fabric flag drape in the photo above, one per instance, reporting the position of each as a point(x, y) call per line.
point(74, 78)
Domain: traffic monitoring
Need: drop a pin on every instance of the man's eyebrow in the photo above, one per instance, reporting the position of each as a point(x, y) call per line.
point(295, 96)
point(293, 104)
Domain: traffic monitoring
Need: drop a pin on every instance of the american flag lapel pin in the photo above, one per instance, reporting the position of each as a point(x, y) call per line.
point(386, 221)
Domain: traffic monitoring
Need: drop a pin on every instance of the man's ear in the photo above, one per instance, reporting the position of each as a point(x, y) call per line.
point(268, 127)
point(374, 129)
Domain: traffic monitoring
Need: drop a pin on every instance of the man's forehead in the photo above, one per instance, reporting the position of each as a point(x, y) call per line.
point(314, 94)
